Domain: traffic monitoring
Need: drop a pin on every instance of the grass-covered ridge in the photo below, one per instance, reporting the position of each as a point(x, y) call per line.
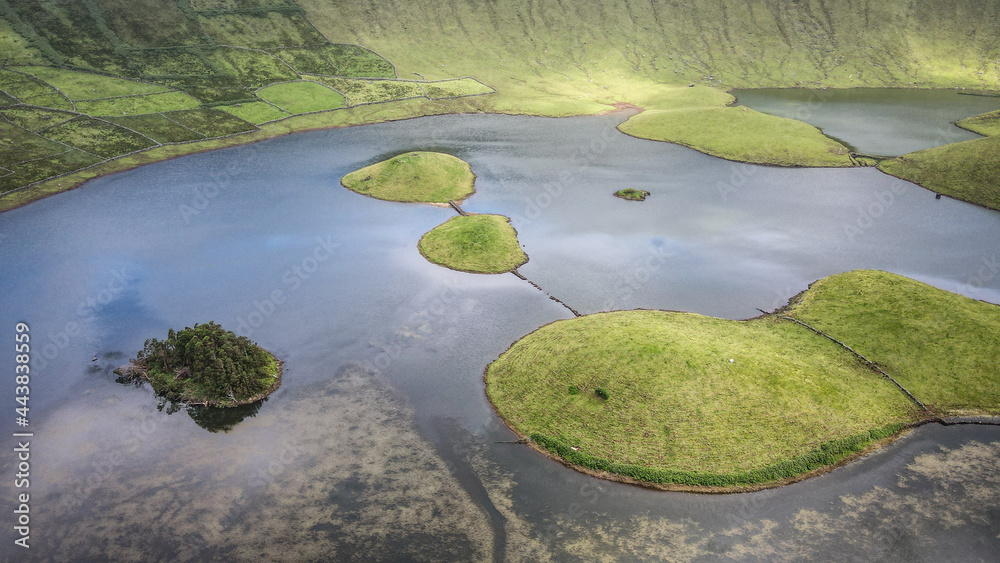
point(740, 133)
point(693, 400)
point(969, 171)
point(480, 244)
point(424, 177)
point(941, 346)
point(549, 53)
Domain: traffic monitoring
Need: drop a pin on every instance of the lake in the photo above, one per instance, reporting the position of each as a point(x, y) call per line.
point(878, 121)
point(380, 444)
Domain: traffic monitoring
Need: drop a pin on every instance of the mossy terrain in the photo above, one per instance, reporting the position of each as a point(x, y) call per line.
point(480, 244)
point(969, 171)
point(695, 400)
point(80, 85)
point(205, 365)
point(424, 177)
point(113, 59)
point(632, 194)
point(255, 112)
point(740, 133)
point(941, 346)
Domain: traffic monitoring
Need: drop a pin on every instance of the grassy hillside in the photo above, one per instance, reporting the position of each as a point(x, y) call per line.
point(549, 50)
point(130, 76)
point(969, 171)
point(221, 61)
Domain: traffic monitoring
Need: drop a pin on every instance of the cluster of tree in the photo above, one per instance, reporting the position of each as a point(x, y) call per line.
point(208, 363)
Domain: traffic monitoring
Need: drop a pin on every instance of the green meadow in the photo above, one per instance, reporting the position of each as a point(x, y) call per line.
point(683, 399)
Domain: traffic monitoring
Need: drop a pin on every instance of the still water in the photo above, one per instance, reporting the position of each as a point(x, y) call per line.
point(879, 121)
point(380, 444)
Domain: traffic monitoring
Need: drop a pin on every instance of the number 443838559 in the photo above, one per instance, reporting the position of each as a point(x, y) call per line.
point(21, 372)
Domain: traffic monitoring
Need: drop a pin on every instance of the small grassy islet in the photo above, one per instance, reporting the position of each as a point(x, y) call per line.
point(424, 177)
point(481, 244)
point(987, 124)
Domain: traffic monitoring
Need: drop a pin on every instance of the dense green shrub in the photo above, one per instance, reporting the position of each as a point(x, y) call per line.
point(206, 363)
point(602, 393)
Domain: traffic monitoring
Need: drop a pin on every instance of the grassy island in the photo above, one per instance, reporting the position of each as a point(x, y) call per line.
point(481, 244)
point(632, 194)
point(742, 134)
point(679, 400)
point(205, 365)
point(425, 177)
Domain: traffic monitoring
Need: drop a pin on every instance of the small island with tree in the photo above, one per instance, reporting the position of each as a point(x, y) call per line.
point(205, 365)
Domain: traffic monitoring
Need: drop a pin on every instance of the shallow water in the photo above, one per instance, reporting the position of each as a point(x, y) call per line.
point(380, 443)
point(879, 121)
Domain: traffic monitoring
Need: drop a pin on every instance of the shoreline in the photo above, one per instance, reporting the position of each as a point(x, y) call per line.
point(968, 419)
point(950, 417)
point(43, 189)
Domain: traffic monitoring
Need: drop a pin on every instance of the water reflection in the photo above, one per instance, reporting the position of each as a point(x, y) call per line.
point(216, 419)
point(381, 443)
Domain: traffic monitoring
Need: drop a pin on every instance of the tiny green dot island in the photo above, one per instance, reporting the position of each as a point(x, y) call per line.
point(632, 194)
